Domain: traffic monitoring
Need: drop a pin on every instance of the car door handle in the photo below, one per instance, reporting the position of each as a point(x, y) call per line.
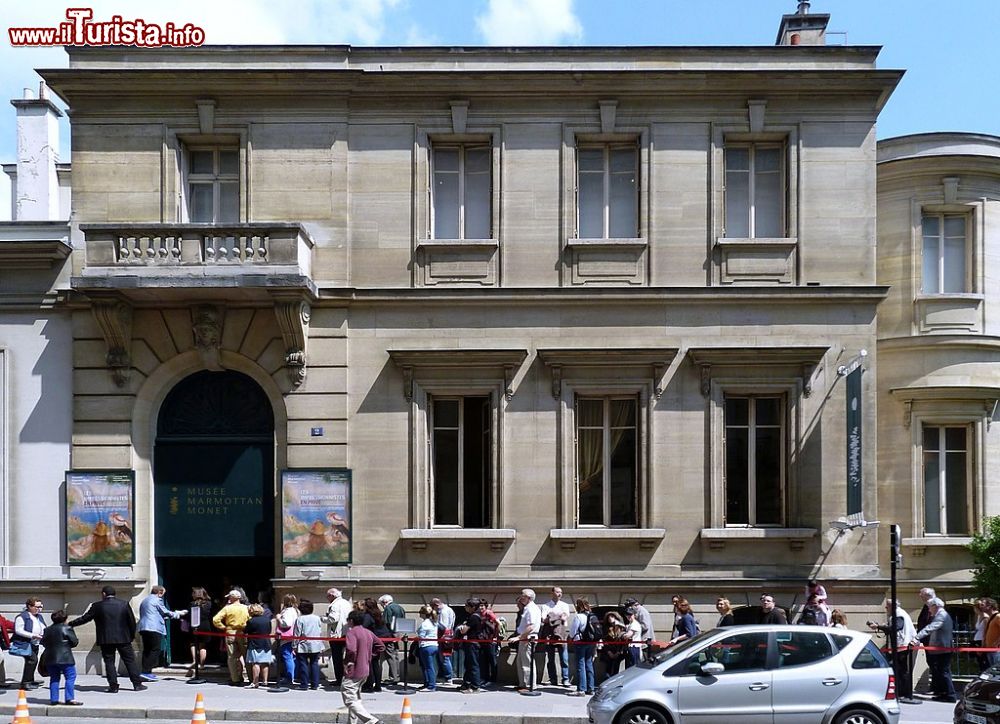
point(832, 682)
point(759, 687)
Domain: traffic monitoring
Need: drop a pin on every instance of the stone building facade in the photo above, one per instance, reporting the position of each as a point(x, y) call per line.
point(569, 316)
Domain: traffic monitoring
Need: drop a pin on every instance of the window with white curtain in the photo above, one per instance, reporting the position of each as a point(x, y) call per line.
point(608, 191)
point(755, 190)
point(607, 447)
point(945, 254)
point(462, 191)
point(946, 479)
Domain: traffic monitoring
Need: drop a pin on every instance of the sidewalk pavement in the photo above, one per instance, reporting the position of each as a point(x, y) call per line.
point(171, 699)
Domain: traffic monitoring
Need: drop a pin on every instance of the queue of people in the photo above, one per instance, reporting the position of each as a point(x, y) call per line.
point(555, 639)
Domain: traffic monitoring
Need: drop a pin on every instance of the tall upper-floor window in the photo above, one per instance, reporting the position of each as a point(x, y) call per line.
point(754, 459)
point(213, 185)
point(461, 461)
point(608, 192)
point(462, 192)
point(755, 190)
point(946, 479)
point(607, 447)
point(945, 254)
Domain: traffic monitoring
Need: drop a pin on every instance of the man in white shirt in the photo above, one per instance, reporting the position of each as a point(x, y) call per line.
point(556, 614)
point(527, 632)
point(446, 629)
point(336, 620)
point(906, 636)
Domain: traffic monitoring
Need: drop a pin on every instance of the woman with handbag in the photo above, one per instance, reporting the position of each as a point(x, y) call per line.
point(59, 641)
point(287, 617)
point(199, 644)
point(28, 629)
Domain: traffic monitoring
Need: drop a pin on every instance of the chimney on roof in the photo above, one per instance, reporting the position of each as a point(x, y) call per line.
point(35, 186)
point(802, 28)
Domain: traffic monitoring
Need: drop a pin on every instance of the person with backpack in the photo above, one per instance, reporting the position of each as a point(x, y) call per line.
point(488, 652)
point(812, 613)
point(390, 612)
point(584, 631)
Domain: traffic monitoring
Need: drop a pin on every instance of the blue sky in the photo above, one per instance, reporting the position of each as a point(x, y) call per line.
point(948, 49)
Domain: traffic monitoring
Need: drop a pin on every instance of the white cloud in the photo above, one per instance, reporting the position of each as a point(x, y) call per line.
point(529, 22)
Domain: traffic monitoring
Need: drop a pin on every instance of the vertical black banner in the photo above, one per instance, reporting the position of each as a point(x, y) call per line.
point(854, 458)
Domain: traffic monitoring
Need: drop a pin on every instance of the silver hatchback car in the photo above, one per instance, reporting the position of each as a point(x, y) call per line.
point(755, 675)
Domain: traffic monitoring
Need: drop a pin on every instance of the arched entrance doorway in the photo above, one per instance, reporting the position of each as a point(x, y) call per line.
point(213, 482)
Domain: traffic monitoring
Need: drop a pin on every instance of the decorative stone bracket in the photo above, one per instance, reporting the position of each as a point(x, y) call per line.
point(206, 324)
point(293, 319)
point(114, 317)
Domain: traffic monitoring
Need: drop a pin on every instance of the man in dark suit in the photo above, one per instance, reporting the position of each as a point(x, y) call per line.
point(116, 626)
point(769, 613)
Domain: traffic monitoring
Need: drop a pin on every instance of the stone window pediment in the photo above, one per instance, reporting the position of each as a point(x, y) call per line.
point(658, 359)
point(418, 361)
point(806, 359)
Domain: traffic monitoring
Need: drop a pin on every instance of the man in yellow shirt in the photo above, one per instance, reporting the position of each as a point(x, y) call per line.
point(233, 619)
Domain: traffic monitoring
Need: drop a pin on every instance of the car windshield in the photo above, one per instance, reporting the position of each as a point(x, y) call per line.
point(677, 648)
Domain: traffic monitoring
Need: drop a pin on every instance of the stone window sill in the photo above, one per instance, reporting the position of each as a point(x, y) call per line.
point(919, 546)
point(648, 538)
point(605, 243)
point(796, 537)
point(458, 244)
point(953, 296)
point(783, 242)
point(498, 538)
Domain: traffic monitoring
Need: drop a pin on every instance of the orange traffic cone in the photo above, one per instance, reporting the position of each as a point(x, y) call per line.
point(406, 717)
point(198, 715)
point(21, 715)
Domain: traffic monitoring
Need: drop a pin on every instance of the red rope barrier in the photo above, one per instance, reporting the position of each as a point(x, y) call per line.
point(416, 639)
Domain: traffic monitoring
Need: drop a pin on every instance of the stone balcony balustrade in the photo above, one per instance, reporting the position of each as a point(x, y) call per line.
point(138, 259)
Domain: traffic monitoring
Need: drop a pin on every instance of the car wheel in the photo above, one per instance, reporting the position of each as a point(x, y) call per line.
point(857, 716)
point(643, 715)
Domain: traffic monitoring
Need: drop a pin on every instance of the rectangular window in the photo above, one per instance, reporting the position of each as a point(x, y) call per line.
point(461, 461)
point(213, 185)
point(607, 454)
point(608, 192)
point(944, 254)
point(755, 191)
point(462, 192)
point(755, 459)
point(946, 480)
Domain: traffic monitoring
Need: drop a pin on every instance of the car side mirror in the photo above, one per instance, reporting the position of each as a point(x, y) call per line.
point(712, 668)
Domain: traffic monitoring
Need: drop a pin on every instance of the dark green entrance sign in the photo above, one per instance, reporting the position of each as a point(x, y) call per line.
point(855, 468)
point(212, 499)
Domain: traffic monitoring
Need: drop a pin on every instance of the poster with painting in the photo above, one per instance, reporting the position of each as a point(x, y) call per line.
point(316, 516)
point(100, 523)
